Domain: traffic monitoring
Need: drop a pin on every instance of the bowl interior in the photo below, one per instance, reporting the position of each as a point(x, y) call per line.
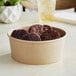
point(61, 31)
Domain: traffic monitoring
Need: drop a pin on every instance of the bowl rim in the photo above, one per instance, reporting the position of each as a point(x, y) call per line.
point(24, 41)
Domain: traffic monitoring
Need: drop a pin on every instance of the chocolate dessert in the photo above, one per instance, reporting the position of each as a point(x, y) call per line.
point(37, 32)
point(18, 33)
point(36, 29)
point(31, 37)
point(50, 35)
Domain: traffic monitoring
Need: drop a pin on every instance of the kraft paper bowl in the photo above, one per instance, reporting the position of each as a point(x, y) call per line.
point(37, 52)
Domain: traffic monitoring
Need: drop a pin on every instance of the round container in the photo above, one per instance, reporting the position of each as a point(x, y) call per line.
point(37, 52)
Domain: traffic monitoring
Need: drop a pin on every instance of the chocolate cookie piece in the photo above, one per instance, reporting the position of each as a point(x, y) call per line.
point(46, 35)
point(36, 29)
point(31, 37)
point(55, 34)
point(46, 27)
point(18, 33)
point(50, 35)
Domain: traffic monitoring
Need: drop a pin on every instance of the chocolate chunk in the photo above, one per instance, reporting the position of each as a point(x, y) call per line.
point(18, 33)
point(46, 36)
point(36, 29)
point(32, 37)
point(46, 27)
point(50, 35)
point(55, 34)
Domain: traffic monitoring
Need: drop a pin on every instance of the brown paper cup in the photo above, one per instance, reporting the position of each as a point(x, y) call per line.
point(37, 52)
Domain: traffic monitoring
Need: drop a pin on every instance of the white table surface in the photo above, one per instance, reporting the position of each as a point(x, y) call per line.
point(9, 67)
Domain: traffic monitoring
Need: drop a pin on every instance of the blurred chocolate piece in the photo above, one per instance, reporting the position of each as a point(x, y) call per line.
point(31, 37)
point(36, 29)
point(50, 35)
point(46, 35)
point(55, 34)
point(46, 27)
point(18, 33)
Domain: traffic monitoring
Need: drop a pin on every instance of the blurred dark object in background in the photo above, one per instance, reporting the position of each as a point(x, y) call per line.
point(64, 4)
point(75, 9)
point(24, 9)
